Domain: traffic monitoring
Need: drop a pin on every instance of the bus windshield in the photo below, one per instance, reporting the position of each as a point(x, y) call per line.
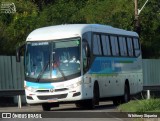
point(53, 60)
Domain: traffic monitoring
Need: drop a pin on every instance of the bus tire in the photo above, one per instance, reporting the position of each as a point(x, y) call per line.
point(95, 100)
point(126, 96)
point(117, 101)
point(123, 99)
point(85, 104)
point(78, 105)
point(46, 107)
point(96, 93)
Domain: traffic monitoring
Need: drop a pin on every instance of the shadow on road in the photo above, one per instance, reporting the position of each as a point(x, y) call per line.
point(97, 108)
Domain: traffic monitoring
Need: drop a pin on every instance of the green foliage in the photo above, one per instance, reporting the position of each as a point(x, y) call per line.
point(110, 12)
point(61, 12)
point(32, 14)
point(17, 26)
point(141, 106)
point(150, 26)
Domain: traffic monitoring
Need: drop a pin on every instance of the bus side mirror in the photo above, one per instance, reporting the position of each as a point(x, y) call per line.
point(87, 50)
point(86, 55)
point(19, 51)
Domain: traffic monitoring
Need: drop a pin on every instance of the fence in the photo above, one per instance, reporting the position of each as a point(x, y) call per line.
point(151, 74)
point(11, 76)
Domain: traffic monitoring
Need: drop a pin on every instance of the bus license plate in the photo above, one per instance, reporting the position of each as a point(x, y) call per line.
point(53, 100)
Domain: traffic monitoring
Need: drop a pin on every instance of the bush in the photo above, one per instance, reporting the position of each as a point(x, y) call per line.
point(151, 105)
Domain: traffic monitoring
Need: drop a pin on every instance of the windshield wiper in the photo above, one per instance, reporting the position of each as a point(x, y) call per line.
point(45, 67)
point(60, 70)
point(42, 71)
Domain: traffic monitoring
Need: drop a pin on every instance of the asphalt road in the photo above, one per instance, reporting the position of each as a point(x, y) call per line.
point(68, 112)
point(106, 106)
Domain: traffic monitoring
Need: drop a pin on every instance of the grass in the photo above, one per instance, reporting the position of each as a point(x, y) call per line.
point(150, 105)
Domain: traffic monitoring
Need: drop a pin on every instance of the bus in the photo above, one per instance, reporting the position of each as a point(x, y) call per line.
point(82, 64)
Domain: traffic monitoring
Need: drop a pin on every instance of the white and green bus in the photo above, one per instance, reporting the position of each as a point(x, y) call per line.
point(81, 63)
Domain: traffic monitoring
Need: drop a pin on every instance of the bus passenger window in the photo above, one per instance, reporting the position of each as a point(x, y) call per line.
point(114, 44)
point(136, 46)
point(130, 46)
point(123, 47)
point(96, 45)
point(106, 45)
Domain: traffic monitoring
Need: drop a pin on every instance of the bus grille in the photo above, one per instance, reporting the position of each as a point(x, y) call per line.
point(42, 91)
point(52, 97)
point(56, 90)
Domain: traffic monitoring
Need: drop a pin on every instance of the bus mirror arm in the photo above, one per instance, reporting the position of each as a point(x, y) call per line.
point(88, 55)
point(86, 48)
point(88, 62)
point(87, 51)
point(18, 55)
point(19, 51)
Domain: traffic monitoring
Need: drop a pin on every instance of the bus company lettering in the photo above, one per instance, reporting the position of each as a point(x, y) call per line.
point(29, 115)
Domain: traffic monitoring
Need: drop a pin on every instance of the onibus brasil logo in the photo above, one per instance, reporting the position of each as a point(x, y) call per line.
point(7, 7)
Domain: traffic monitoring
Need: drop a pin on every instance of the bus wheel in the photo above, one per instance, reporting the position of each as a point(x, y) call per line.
point(81, 104)
point(46, 107)
point(117, 101)
point(123, 99)
point(126, 96)
point(95, 100)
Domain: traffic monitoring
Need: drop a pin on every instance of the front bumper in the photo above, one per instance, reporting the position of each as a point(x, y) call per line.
point(46, 96)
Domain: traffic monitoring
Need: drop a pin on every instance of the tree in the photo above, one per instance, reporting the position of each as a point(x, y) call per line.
point(32, 14)
point(61, 12)
point(17, 25)
point(150, 29)
point(115, 13)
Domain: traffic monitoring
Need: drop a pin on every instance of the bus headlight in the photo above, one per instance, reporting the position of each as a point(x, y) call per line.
point(75, 85)
point(31, 89)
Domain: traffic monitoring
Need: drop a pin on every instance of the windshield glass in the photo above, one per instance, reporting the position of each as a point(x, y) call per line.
point(55, 60)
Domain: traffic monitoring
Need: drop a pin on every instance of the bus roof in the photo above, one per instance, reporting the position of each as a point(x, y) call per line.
point(73, 30)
